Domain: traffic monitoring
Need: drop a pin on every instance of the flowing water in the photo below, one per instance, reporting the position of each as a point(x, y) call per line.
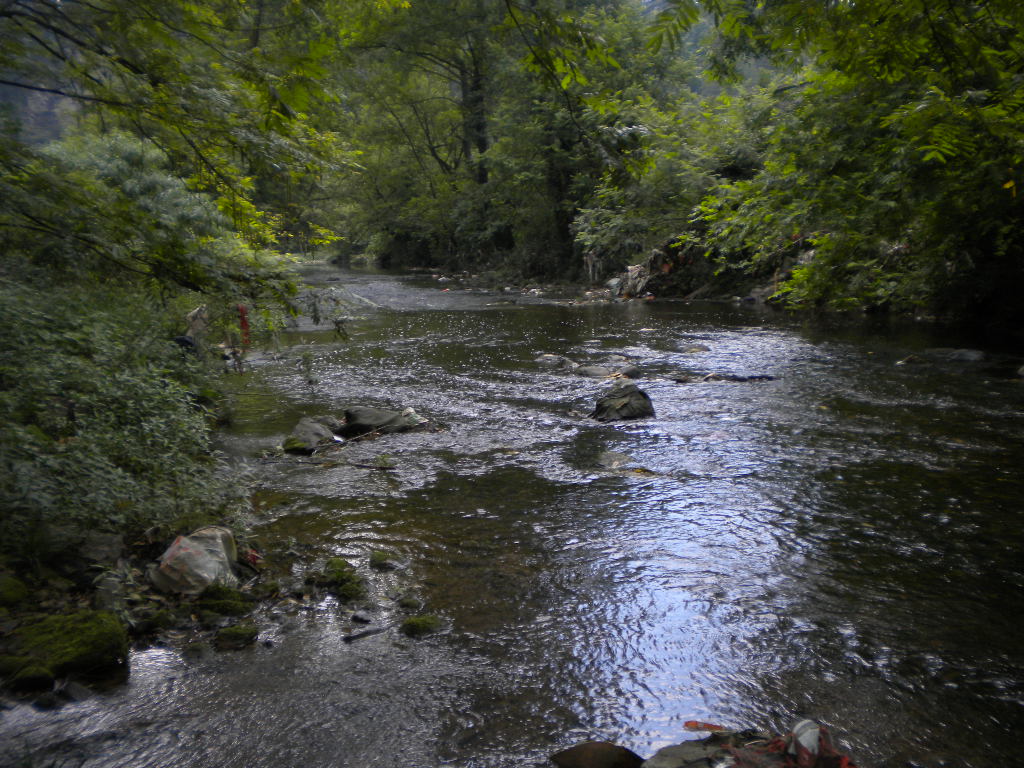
point(842, 542)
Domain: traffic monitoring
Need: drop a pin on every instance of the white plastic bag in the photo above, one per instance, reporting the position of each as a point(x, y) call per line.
point(194, 562)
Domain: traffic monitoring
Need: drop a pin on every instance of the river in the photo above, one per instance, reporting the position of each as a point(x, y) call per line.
point(842, 542)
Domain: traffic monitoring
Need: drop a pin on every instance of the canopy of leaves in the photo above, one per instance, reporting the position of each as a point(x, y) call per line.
point(896, 156)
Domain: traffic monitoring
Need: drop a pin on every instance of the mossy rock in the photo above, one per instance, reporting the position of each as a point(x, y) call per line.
point(225, 607)
point(33, 677)
point(410, 603)
point(11, 665)
point(419, 626)
point(75, 643)
point(338, 570)
point(236, 637)
point(210, 619)
point(223, 600)
point(296, 445)
point(380, 561)
point(157, 620)
point(221, 592)
point(341, 579)
point(12, 591)
point(352, 590)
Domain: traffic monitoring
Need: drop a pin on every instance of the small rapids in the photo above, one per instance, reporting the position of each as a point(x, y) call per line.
point(842, 541)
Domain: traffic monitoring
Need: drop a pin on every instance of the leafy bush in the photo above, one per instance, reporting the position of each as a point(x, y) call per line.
point(100, 426)
point(103, 421)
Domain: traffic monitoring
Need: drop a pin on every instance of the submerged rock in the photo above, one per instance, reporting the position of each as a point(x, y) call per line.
point(623, 401)
point(614, 460)
point(736, 378)
point(556, 361)
point(957, 355)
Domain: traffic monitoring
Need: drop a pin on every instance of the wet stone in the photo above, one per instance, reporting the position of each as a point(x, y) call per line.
point(307, 436)
point(420, 626)
point(381, 562)
point(614, 460)
point(236, 637)
point(597, 754)
point(624, 401)
point(594, 371)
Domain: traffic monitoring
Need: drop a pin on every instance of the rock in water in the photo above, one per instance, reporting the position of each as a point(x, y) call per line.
point(594, 371)
point(597, 754)
point(307, 436)
point(614, 460)
point(630, 371)
point(556, 361)
point(362, 420)
point(623, 401)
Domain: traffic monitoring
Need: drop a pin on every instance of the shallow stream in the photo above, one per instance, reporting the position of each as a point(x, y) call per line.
point(843, 542)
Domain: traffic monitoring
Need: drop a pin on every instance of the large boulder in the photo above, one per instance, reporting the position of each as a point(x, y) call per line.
point(308, 435)
point(361, 420)
point(623, 401)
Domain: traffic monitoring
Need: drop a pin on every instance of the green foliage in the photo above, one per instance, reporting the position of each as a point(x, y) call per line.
point(99, 423)
point(106, 204)
point(503, 136)
point(891, 164)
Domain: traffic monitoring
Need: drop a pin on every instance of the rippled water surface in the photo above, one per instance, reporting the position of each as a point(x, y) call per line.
point(842, 542)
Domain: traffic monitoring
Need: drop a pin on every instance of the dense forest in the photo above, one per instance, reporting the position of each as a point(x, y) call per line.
point(157, 156)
